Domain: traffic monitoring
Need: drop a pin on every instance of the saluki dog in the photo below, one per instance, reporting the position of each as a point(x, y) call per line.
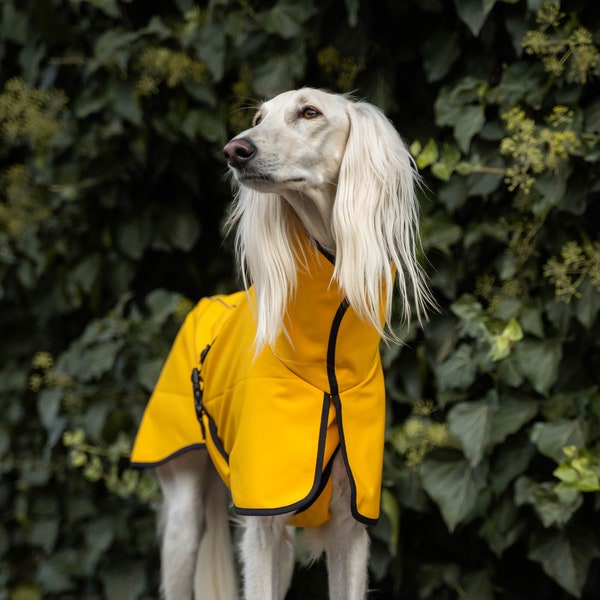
point(277, 390)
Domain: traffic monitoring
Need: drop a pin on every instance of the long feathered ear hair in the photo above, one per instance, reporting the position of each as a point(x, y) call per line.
point(375, 222)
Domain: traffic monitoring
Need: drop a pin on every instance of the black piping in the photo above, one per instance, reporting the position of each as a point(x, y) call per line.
point(335, 395)
point(330, 257)
point(331, 344)
point(320, 474)
point(353, 505)
point(162, 461)
point(214, 434)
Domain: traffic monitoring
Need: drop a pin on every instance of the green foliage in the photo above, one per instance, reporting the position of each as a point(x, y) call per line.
point(113, 114)
point(568, 52)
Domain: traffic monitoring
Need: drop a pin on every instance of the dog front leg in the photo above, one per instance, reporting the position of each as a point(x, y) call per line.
point(347, 561)
point(346, 543)
point(181, 522)
point(267, 557)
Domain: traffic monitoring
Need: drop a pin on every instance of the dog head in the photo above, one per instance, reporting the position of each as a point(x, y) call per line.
point(338, 170)
point(296, 143)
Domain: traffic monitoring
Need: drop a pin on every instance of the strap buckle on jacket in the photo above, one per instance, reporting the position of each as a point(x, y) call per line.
point(197, 385)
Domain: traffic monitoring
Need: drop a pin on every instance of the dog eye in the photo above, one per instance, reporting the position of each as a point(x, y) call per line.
point(309, 112)
point(257, 119)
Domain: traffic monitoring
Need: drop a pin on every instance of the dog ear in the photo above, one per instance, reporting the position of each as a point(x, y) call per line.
point(375, 220)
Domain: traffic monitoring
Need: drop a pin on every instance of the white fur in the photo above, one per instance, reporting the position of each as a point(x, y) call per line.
point(337, 169)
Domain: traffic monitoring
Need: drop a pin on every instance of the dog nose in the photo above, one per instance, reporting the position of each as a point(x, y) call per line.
point(239, 151)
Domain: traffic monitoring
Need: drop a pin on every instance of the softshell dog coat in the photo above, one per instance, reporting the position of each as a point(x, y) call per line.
point(273, 423)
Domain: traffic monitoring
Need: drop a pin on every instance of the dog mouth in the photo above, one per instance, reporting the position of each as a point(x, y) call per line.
point(259, 179)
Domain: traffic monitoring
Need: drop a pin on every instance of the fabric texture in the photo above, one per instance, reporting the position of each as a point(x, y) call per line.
point(272, 423)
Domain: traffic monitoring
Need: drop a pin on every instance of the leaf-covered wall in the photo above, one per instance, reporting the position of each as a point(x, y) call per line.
point(113, 192)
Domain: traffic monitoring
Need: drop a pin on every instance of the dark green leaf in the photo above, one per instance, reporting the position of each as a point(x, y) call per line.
point(277, 73)
point(454, 485)
point(440, 50)
point(286, 18)
point(352, 7)
point(471, 423)
point(112, 48)
point(539, 362)
point(565, 556)
point(124, 580)
point(509, 462)
point(511, 415)
point(181, 229)
point(588, 304)
point(211, 47)
point(553, 503)
point(502, 527)
point(478, 586)
point(13, 24)
point(551, 438)
point(474, 13)
point(458, 371)
point(440, 232)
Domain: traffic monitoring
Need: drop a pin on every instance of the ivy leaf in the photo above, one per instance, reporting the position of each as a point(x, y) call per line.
point(477, 586)
point(502, 528)
point(391, 509)
point(554, 503)
point(211, 48)
point(458, 371)
point(588, 304)
point(286, 18)
point(181, 229)
point(428, 154)
point(125, 580)
point(538, 361)
point(54, 572)
point(511, 415)
point(509, 462)
point(551, 438)
point(440, 51)
point(48, 405)
point(99, 535)
point(205, 123)
point(113, 48)
point(454, 485)
point(440, 232)
point(162, 304)
point(147, 373)
point(459, 106)
point(471, 423)
point(13, 24)
point(134, 236)
point(279, 72)
point(125, 103)
point(565, 556)
point(352, 7)
point(470, 121)
point(473, 13)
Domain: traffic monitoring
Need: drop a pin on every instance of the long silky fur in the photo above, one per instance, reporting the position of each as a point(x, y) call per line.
point(266, 229)
point(375, 221)
point(374, 225)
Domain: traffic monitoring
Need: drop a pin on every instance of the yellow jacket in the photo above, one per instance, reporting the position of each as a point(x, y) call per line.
point(272, 424)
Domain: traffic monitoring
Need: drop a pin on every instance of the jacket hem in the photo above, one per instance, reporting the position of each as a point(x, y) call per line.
point(320, 478)
point(157, 463)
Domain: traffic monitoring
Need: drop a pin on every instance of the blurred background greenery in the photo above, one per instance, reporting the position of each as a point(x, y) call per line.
point(113, 190)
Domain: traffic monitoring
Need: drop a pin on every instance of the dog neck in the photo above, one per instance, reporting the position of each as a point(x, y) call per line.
point(313, 209)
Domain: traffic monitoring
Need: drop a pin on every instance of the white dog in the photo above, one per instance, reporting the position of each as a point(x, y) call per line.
point(287, 390)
